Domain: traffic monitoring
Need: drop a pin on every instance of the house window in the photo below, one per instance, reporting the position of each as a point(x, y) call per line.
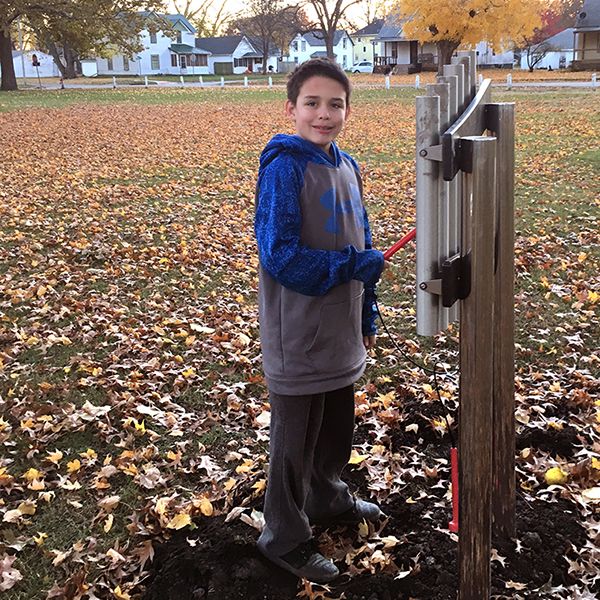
point(183, 61)
point(364, 49)
point(109, 64)
point(153, 37)
point(344, 43)
point(242, 62)
point(295, 46)
point(358, 40)
point(201, 60)
point(125, 64)
point(154, 62)
point(303, 46)
point(179, 37)
point(296, 59)
point(173, 60)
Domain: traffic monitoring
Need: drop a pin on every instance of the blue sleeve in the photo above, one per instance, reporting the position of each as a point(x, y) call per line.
point(369, 310)
point(277, 225)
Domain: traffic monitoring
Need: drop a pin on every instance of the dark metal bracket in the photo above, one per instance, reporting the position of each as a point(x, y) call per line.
point(455, 281)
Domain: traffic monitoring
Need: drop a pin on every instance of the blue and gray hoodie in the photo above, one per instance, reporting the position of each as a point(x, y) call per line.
point(316, 267)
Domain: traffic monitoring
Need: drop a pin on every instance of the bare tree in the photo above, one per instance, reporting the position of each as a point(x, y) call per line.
point(209, 17)
point(330, 14)
point(269, 24)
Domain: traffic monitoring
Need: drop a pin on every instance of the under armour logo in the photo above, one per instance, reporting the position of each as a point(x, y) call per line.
point(353, 205)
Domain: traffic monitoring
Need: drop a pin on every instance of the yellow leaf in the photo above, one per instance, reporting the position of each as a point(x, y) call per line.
point(229, 484)
point(555, 476)
point(120, 595)
point(356, 458)
point(89, 453)
point(32, 474)
point(74, 466)
point(191, 372)
point(595, 463)
point(108, 523)
point(581, 257)
point(40, 538)
point(27, 508)
point(55, 457)
point(206, 507)
point(260, 485)
point(593, 297)
point(555, 425)
point(179, 521)
point(245, 467)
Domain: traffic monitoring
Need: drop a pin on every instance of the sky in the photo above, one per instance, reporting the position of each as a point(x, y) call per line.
point(355, 13)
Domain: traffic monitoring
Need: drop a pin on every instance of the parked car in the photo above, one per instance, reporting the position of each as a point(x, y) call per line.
point(364, 66)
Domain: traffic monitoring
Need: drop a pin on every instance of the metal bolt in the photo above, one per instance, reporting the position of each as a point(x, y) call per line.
point(423, 286)
point(423, 153)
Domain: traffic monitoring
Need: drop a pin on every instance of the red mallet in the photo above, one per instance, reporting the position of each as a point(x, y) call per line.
point(453, 525)
point(400, 244)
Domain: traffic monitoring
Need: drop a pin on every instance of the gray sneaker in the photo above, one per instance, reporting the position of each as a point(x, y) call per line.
point(360, 511)
point(305, 562)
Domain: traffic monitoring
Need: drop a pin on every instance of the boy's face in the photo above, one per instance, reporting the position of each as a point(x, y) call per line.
point(320, 110)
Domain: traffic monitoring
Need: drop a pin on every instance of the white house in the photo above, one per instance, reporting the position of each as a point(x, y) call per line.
point(235, 54)
point(169, 49)
point(488, 57)
point(559, 51)
point(46, 68)
point(305, 46)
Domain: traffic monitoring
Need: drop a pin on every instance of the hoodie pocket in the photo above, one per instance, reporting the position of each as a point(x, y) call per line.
point(338, 342)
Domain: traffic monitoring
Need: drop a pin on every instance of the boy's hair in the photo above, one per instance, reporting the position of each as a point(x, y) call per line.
point(316, 67)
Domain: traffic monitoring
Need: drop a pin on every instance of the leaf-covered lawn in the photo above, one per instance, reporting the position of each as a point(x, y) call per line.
point(131, 395)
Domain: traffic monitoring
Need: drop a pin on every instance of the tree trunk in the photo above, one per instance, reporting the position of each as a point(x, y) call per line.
point(9, 79)
point(445, 50)
point(56, 56)
point(70, 58)
point(329, 44)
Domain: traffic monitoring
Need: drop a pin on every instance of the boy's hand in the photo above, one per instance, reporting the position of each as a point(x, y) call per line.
point(369, 341)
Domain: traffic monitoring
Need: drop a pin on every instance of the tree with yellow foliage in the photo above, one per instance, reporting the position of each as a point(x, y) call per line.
point(452, 23)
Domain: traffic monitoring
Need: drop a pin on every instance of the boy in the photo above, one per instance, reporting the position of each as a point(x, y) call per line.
point(314, 247)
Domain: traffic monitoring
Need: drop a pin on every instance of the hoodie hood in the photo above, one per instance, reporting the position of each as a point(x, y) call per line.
point(303, 149)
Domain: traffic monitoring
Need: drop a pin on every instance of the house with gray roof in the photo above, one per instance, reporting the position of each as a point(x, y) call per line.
point(311, 44)
point(400, 54)
point(365, 48)
point(236, 54)
point(555, 52)
point(587, 37)
point(169, 48)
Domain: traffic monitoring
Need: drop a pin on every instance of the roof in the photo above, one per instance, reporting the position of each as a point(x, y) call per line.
point(186, 49)
point(372, 29)
point(588, 18)
point(317, 37)
point(392, 28)
point(563, 40)
point(257, 43)
point(172, 19)
point(320, 54)
point(220, 45)
point(180, 19)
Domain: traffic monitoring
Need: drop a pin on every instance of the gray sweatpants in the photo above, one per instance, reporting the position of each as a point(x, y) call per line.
point(310, 443)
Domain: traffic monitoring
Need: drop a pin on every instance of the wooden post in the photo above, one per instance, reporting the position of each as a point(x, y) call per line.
point(501, 121)
point(476, 373)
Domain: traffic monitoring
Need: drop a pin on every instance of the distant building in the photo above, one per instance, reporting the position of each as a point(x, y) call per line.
point(587, 37)
point(399, 54)
point(558, 52)
point(487, 57)
point(236, 54)
point(169, 49)
point(365, 46)
point(311, 44)
point(46, 68)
